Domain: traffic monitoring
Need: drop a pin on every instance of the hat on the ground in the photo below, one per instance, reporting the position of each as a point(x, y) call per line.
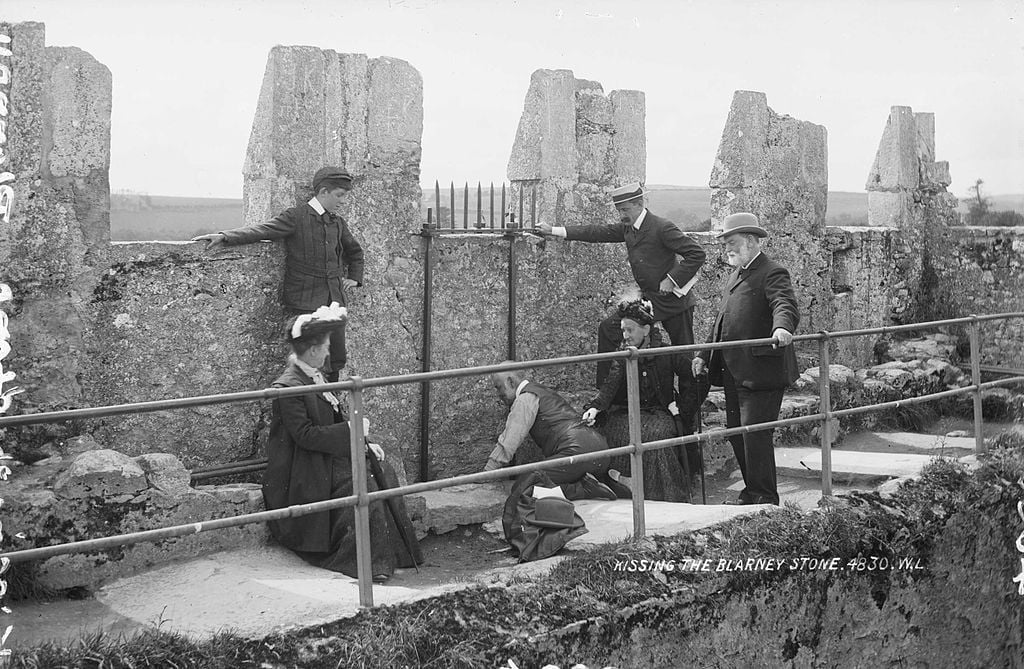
point(630, 191)
point(331, 174)
point(741, 223)
point(552, 512)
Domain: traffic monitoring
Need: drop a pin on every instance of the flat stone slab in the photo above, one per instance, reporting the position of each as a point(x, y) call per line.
point(613, 521)
point(850, 466)
point(922, 442)
point(448, 508)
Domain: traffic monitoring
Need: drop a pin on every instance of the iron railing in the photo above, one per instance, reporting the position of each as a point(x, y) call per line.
point(362, 497)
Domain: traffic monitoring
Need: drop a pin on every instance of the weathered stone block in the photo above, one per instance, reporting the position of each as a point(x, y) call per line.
point(935, 175)
point(164, 471)
point(394, 123)
point(925, 124)
point(895, 166)
point(102, 473)
point(740, 158)
point(889, 209)
point(629, 137)
point(545, 144)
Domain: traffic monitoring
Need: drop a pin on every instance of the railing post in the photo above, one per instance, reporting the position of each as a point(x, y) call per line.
point(637, 457)
point(362, 510)
point(825, 407)
point(979, 438)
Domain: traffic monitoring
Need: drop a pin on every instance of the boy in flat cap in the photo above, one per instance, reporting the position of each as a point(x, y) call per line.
point(322, 257)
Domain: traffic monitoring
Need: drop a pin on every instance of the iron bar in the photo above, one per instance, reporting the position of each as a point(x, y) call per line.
point(533, 207)
point(513, 279)
point(503, 211)
point(228, 465)
point(465, 206)
point(437, 205)
point(427, 346)
point(451, 201)
point(492, 205)
point(228, 471)
point(825, 407)
point(522, 198)
point(357, 443)
point(636, 464)
point(479, 206)
point(979, 437)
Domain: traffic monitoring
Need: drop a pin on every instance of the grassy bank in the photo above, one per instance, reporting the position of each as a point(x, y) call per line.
point(607, 590)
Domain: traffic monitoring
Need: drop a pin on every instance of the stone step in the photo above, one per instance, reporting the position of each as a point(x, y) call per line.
point(441, 511)
point(864, 467)
point(900, 441)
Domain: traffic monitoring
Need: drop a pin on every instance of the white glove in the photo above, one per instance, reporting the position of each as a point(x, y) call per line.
point(589, 416)
point(377, 450)
point(366, 426)
point(673, 409)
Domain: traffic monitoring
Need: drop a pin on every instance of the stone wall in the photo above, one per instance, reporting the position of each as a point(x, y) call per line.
point(56, 240)
point(575, 144)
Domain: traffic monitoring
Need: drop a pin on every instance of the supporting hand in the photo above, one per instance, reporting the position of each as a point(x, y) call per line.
point(214, 240)
point(589, 416)
point(697, 366)
point(376, 448)
point(544, 229)
point(349, 283)
point(784, 337)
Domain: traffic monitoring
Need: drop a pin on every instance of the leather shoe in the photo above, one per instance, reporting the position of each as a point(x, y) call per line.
point(594, 489)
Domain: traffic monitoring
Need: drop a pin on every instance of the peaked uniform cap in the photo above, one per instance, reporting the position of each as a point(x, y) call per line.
point(331, 173)
point(739, 223)
point(630, 191)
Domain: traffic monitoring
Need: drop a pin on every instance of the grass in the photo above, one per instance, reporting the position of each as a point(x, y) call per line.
point(484, 626)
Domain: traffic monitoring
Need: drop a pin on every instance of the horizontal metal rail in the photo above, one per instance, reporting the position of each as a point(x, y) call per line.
point(358, 385)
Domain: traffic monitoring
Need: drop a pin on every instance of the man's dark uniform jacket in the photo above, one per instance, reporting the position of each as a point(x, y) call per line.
point(319, 252)
point(652, 256)
point(755, 302)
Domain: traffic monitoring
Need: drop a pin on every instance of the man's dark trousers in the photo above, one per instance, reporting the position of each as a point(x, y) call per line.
point(754, 451)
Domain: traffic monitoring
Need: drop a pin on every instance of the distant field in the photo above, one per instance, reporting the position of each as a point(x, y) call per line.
point(142, 217)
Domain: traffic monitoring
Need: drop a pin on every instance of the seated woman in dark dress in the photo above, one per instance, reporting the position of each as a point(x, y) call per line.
point(664, 473)
point(309, 461)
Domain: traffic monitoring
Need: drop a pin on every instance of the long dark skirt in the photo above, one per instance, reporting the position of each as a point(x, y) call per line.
point(664, 476)
point(387, 550)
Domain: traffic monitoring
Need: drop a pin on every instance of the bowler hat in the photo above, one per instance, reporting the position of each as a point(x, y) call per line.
point(630, 191)
point(741, 223)
point(552, 512)
point(331, 174)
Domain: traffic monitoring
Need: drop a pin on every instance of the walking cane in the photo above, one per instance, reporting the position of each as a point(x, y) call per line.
point(378, 473)
point(703, 387)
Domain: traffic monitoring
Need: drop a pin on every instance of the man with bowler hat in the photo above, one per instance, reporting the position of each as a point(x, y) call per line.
point(322, 257)
point(758, 302)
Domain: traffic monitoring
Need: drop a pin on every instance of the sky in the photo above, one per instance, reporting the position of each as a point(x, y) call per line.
point(187, 74)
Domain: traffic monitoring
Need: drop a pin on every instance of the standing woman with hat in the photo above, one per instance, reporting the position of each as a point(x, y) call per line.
point(322, 257)
point(308, 460)
point(664, 469)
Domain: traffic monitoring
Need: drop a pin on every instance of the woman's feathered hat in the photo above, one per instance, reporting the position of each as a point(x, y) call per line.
point(641, 311)
point(319, 322)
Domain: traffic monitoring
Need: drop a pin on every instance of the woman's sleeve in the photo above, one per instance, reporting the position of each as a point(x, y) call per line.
point(616, 375)
point(305, 433)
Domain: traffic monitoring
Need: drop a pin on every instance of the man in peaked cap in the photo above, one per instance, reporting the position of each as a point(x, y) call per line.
point(665, 263)
point(758, 303)
point(322, 257)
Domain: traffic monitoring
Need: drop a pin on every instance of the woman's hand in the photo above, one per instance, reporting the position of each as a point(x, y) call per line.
point(589, 416)
point(376, 448)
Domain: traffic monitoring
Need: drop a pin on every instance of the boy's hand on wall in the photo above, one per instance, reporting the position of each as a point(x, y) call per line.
point(214, 240)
